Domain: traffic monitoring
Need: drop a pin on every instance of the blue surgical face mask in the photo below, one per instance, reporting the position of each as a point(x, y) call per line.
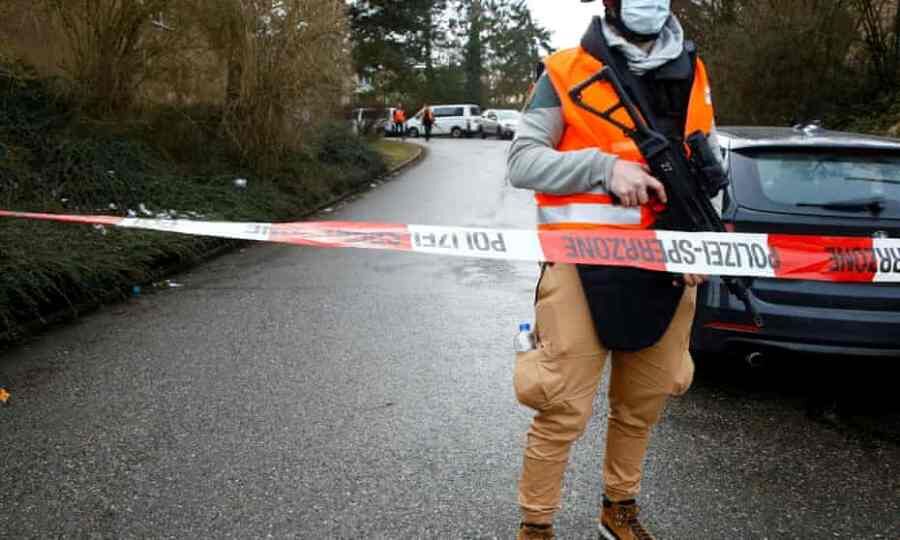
point(646, 17)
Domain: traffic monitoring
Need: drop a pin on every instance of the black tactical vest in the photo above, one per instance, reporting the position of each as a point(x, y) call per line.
point(632, 308)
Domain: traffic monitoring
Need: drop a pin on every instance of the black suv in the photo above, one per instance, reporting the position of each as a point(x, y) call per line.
point(807, 181)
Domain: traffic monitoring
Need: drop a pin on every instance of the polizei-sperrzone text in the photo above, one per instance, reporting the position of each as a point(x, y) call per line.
point(654, 251)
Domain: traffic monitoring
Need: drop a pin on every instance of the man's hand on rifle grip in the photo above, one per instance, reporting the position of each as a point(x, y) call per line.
point(633, 185)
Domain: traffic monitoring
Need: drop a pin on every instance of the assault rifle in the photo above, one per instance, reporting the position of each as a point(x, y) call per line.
point(690, 182)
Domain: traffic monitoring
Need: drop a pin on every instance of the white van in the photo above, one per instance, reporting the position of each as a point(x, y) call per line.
point(454, 120)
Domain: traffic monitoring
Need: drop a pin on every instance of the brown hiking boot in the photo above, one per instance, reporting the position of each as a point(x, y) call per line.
point(620, 522)
point(536, 532)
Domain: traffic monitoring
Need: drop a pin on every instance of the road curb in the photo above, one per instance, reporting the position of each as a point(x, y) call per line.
point(420, 155)
point(70, 313)
point(367, 186)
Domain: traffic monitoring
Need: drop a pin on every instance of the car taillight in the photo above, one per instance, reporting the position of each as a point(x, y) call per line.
point(734, 327)
point(729, 227)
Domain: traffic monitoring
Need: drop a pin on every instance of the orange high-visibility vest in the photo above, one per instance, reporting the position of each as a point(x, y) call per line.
point(399, 116)
point(583, 130)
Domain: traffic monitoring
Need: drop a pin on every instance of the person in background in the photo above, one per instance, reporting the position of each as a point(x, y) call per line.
point(400, 121)
point(427, 121)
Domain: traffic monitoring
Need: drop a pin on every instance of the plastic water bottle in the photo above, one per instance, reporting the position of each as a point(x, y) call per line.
point(524, 341)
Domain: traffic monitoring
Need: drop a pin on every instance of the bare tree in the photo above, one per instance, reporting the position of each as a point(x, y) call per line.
point(879, 27)
point(287, 67)
point(112, 43)
point(772, 61)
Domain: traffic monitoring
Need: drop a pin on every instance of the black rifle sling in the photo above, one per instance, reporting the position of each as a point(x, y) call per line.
point(595, 44)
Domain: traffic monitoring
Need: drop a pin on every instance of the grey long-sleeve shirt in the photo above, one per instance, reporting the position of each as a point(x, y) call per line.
point(534, 163)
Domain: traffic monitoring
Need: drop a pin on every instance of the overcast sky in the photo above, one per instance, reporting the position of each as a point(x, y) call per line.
point(568, 19)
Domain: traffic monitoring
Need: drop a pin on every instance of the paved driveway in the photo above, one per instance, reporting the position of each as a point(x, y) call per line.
point(301, 393)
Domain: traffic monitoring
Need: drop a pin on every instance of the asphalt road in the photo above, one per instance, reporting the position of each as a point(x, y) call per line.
point(300, 393)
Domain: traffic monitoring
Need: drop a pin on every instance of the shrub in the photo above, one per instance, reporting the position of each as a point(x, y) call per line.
point(336, 144)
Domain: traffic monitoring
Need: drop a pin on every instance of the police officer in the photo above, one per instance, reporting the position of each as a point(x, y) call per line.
point(400, 121)
point(427, 121)
point(640, 321)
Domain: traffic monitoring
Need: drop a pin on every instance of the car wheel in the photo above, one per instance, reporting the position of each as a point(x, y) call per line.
point(483, 134)
point(499, 133)
point(456, 133)
point(414, 133)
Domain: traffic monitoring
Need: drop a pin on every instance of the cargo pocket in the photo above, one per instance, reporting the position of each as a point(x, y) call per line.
point(527, 380)
point(685, 376)
point(537, 381)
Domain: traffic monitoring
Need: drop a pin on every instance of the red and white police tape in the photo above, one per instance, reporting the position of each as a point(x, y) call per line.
point(821, 258)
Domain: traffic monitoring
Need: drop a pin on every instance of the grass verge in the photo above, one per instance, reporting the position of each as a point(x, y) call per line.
point(168, 164)
point(396, 153)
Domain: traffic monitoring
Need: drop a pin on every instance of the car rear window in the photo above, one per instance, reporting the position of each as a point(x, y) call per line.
point(475, 111)
point(815, 182)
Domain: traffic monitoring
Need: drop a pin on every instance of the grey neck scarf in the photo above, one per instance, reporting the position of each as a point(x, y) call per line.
point(667, 47)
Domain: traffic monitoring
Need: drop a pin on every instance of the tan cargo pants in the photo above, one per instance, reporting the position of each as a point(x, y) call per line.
point(560, 380)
